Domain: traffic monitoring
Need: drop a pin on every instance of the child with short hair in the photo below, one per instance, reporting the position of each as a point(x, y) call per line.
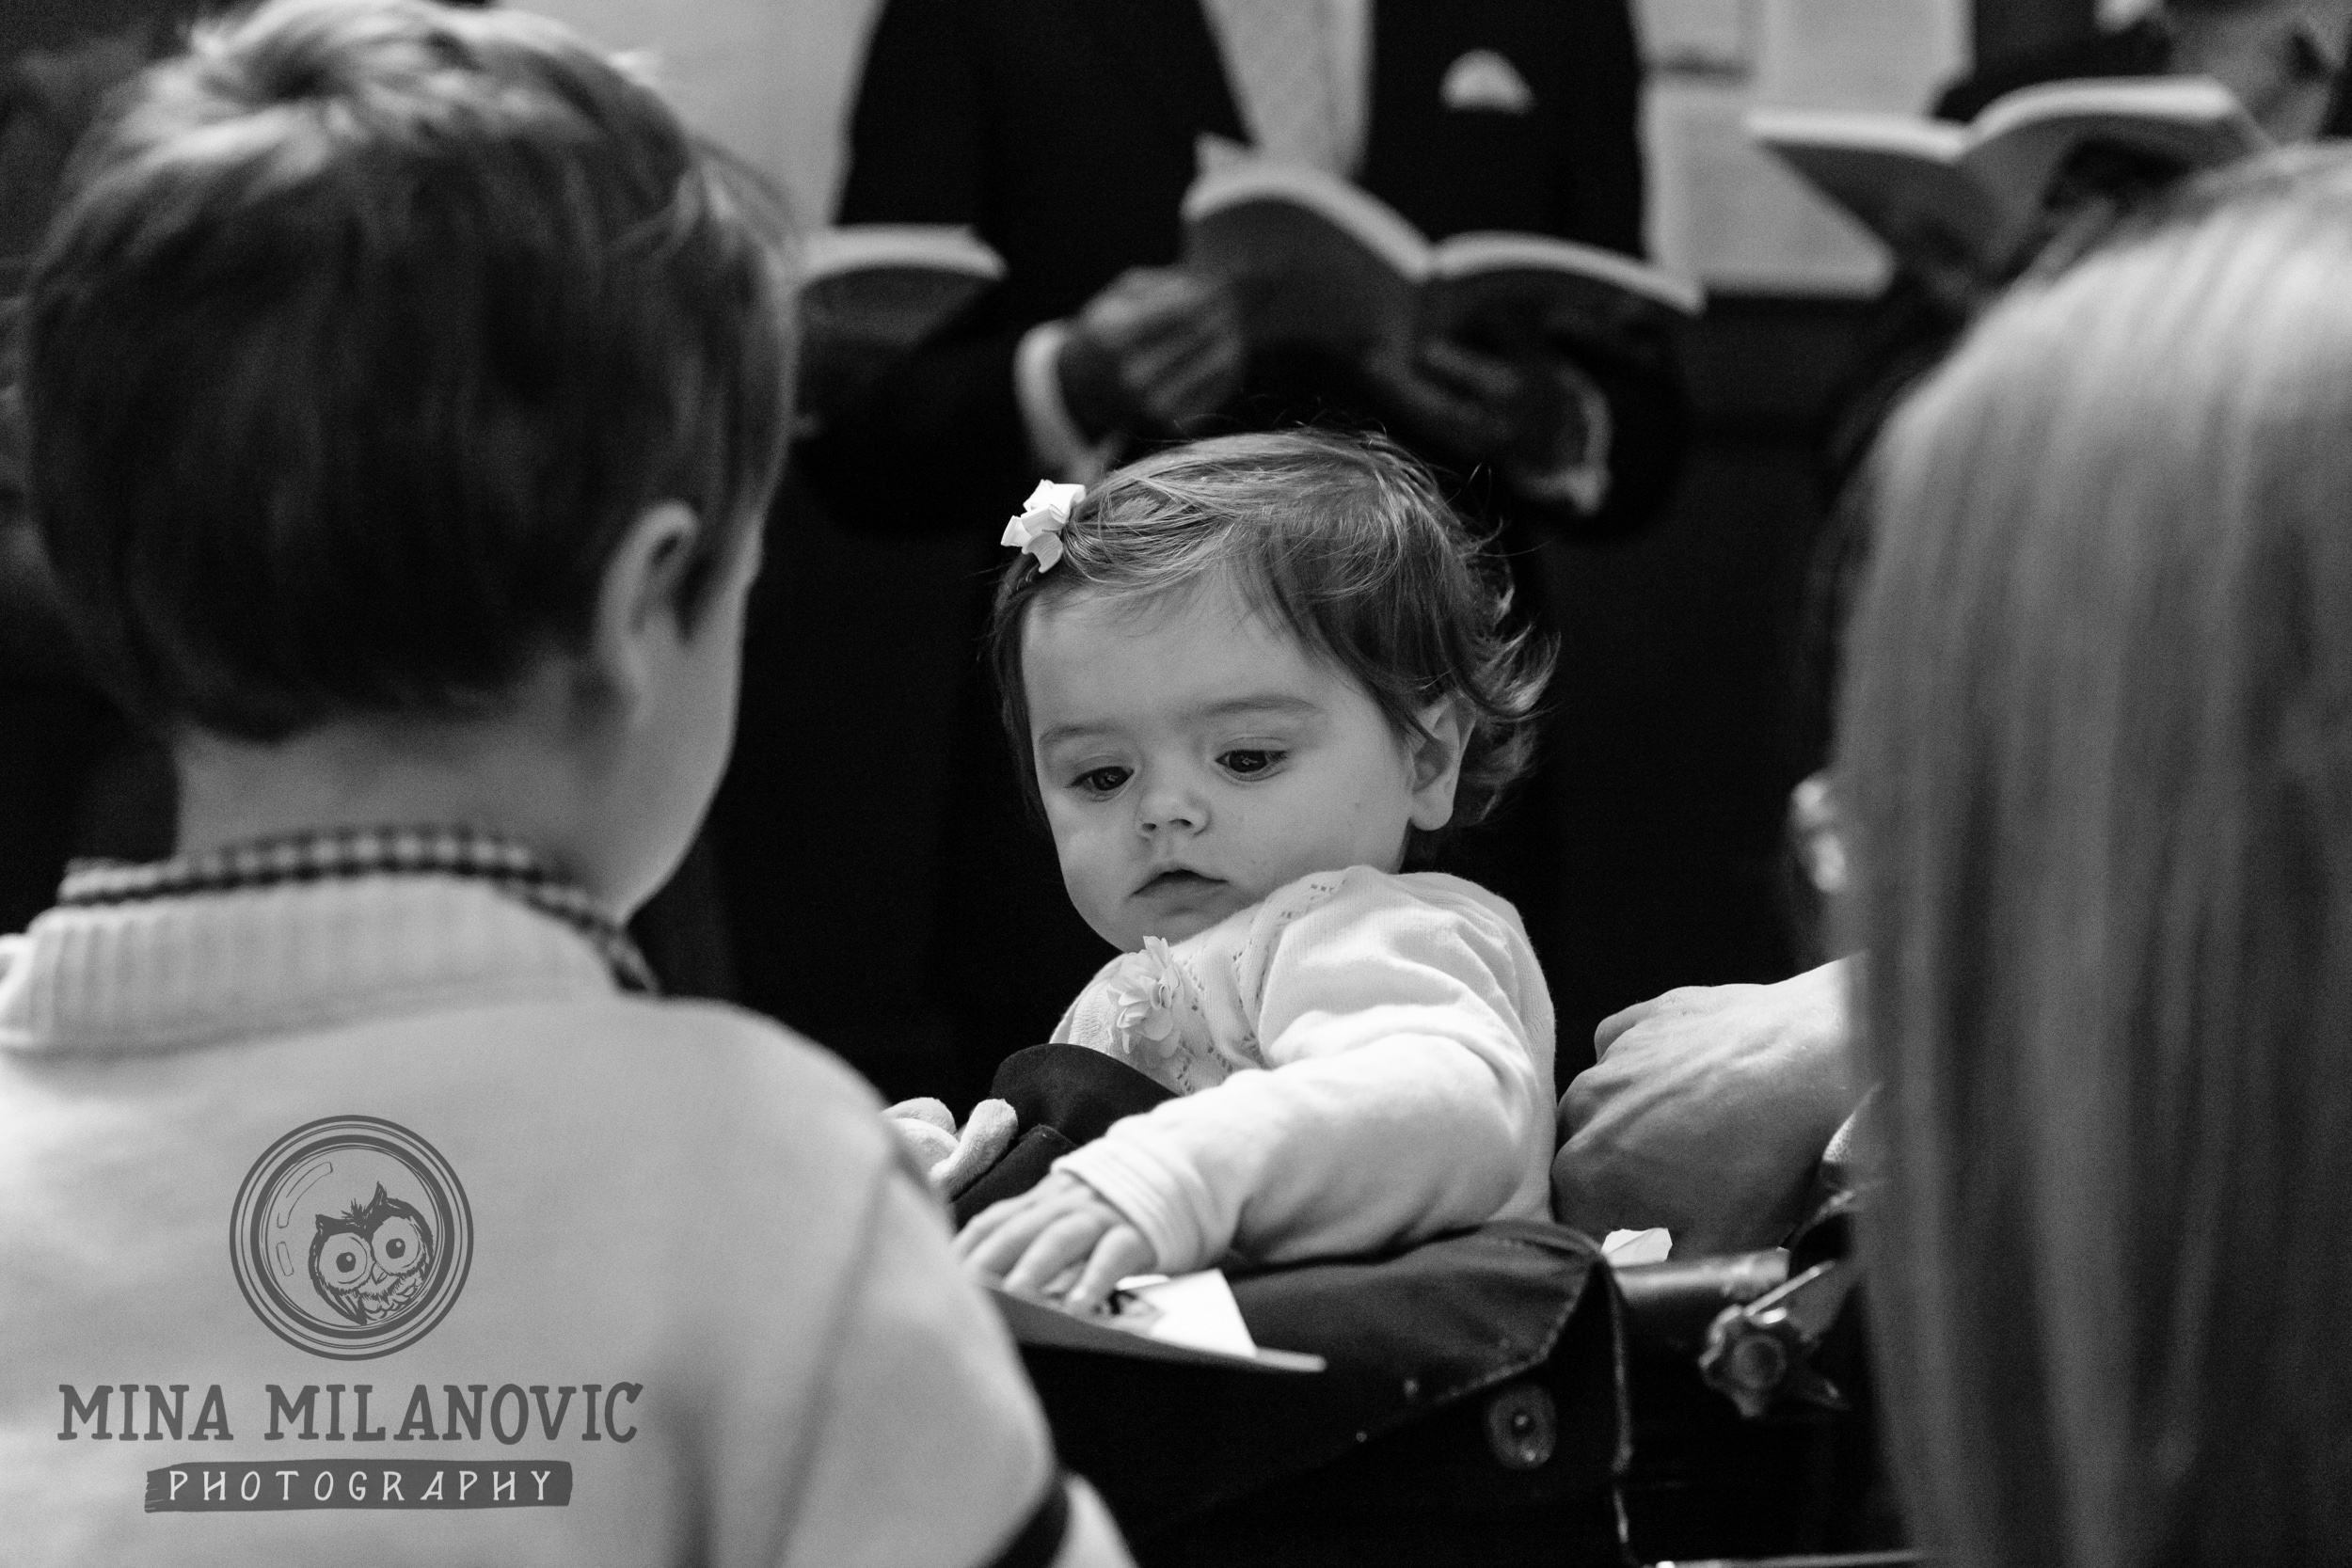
point(1251, 681)
point(405, 389)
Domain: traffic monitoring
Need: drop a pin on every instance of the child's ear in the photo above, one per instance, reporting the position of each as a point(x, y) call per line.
point(1436, 763)
point(636, 622)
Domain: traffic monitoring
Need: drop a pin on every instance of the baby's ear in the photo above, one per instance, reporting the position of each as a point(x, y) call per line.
point(1436, 756)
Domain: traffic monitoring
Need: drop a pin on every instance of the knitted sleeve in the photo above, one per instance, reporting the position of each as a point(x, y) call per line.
point(929, 1447)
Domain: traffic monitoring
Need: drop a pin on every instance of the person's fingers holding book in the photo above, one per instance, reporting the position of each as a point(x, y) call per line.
point(1183, 377)
point(1462, 400)
point(1475, 375)
point(1157, 343)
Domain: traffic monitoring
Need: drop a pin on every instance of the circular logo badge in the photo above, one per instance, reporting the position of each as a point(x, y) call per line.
point(350, 1238)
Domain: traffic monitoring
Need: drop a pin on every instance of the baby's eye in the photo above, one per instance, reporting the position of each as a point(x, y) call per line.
point(1248, 763)
point(1101, 781)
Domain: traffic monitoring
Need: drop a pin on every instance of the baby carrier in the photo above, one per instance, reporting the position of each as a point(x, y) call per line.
point(1496, 1396)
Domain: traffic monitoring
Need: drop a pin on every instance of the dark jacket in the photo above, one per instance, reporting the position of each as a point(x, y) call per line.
point(1063, 132)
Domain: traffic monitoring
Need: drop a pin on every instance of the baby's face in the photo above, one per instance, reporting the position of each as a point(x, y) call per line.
point(1193, 759)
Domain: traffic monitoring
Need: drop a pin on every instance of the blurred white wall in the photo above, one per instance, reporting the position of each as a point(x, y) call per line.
point(770, 78)
point(1724, 211)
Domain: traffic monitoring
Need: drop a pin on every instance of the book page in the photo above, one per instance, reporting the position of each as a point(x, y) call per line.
point(1508, 292)
point(1466, 256)
point(1039, 1323)
point(945, 248)
point(1196, 1309)
point(871, 294)
point(1311, 259)
point(1902, 177)
point(887, 309)
point(1912, 137)
point(2024, 139)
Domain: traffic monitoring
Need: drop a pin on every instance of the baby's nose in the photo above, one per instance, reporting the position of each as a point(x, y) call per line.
point(1167, 809)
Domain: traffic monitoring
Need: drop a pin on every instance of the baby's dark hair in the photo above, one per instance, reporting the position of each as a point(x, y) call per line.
point(364, 335)
point(1344, 542)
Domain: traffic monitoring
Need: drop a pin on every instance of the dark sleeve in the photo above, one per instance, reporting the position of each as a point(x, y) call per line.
point(937, 444)
point(1602, 200)
point(915, 142)
point(1641, 377)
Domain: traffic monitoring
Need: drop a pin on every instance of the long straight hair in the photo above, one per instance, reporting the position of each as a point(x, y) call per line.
point(2097, 759)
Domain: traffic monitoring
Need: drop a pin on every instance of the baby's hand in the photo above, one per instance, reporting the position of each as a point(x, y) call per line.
point(1057, 1228)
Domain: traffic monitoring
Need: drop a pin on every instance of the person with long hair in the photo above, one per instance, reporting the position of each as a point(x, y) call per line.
point(2096, 773)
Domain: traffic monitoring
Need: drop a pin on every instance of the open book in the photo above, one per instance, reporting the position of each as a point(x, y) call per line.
point(1190, 1319)
point(1975, 192)
point(872, 292)
point(1315, 259)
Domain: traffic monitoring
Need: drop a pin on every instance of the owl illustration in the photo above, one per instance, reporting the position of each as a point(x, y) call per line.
point(371, 1263)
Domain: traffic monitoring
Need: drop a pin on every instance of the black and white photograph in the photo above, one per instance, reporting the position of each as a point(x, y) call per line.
point(1175, 783)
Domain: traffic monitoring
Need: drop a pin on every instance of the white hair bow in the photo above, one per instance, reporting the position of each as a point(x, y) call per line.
point(1037, 530)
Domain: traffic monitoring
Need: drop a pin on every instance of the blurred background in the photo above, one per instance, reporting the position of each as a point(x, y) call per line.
point(1689, 692)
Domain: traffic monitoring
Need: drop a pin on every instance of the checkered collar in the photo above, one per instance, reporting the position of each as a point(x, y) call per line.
point(345, 853)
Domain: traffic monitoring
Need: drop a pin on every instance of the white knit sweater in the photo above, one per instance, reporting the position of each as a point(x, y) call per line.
point(684, 1223)
point(1365, 1061)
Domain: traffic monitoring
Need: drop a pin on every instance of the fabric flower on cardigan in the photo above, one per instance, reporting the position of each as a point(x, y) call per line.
point(1149, 986)
point(1037, 530)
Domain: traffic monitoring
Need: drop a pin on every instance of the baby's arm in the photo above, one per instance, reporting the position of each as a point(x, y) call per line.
point(1407, 1096)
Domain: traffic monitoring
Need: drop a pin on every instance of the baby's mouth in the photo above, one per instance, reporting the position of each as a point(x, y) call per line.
point(1176, 879)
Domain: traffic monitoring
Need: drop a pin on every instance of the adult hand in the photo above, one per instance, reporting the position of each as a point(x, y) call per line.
point(1561, 453)
point(1706, 1112)
point(1468, 404)
point(1159, 345)
point(1061, 1227)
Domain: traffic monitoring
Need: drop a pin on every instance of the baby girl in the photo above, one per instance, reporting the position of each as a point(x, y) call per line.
point(1253, 681)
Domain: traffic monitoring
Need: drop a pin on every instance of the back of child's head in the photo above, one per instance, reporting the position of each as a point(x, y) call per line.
point(365, 331)
point(2095, 756)
point(1344, 543)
